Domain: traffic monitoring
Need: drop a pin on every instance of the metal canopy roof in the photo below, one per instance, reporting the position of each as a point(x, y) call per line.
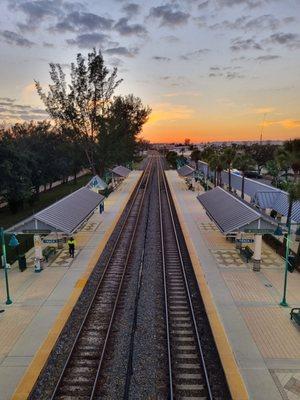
point(96, 182)
point(66, 215)
point(121, 171)
point(232, 214)
point(262, 195)
point(185, 170)
point(251, 186)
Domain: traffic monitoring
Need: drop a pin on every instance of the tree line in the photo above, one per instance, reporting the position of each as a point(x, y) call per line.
point(89, 127)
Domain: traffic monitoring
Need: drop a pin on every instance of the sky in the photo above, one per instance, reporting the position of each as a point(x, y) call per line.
point(211, 70)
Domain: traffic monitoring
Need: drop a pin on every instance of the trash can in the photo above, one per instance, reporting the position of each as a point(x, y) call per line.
point(22, 262)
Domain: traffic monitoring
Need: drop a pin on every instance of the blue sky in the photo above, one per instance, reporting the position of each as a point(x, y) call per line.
point(210, 69)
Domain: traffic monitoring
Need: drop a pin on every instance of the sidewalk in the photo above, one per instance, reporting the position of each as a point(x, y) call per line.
point(265, 342)
point(39, 297)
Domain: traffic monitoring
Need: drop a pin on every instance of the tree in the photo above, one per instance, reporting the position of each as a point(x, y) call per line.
point(15, 184)
point(228, 156)
point(244, 163)
point(196, 156)
point(261, 153)
point(171, 158)
point(216, 164)
point(79, 105)
point(273, 170)
point(119, 129)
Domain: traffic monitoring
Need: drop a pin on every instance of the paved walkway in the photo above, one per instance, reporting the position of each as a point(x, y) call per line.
point(265, 342)
point(39, 297)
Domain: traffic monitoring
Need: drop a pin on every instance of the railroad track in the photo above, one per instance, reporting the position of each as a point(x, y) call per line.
point(187, 373)
point(80, 374)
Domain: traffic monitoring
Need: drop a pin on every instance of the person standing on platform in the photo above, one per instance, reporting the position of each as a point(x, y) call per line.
point(71, 244)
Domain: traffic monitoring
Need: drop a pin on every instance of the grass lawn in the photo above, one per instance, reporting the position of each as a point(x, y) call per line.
point(8, 219)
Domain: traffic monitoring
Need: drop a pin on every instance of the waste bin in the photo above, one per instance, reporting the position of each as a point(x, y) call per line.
point(22, 262)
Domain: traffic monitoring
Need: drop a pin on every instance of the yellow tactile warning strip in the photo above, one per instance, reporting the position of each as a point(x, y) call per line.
point(31, 374)
point(234, 379)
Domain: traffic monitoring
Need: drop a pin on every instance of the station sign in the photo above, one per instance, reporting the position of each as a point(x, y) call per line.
point(49, 241)
point(245, 240)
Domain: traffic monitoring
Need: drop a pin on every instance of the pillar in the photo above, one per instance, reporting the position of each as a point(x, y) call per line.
point(257, 252)
point(238, 245)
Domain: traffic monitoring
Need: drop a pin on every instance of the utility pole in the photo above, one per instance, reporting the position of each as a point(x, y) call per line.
point(262, 128)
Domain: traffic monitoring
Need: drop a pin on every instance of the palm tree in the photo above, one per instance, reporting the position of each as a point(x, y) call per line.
point(273, 170)
point(294, 195)
point(216, 163)
point(196, 156)
point(283, 157)
point(243, 163)
point(228, 156)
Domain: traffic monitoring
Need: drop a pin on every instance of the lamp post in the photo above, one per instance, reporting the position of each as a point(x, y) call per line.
point(8, 299)
point(278, 232)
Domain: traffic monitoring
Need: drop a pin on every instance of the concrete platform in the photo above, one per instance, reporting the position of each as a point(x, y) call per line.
point(264, 341)
point(38, 299)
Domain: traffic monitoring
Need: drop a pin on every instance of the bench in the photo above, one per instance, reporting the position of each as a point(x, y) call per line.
point(48, 252)
point(295, 315)
point(247, 253)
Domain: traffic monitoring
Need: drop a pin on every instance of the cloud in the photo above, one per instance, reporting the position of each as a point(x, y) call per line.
point(246, 23)
point(268, 57)
point(194, 54)
point(171, 39)
point(285, 123)
point(182, 94)
point(131, 9)
point(244, 44)
point(122, 51)
point(169, 112)
point(291, 40)
point(15, 39)
point(13, 112)
point(169, 15)
point(37, 11)
point(248, 3)
point(89, 40)
point(203, 5)
point(225, 72)
point(126, 29)
point(160, 58)
point(82, 22)
point(47, 44)
point(263, 110)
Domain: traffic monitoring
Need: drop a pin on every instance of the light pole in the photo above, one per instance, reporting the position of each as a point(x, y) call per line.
point(8, 299)
point(279, 232)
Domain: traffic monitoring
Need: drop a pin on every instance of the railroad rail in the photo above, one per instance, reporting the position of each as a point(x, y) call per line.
point(79, 376)
point(187, 373)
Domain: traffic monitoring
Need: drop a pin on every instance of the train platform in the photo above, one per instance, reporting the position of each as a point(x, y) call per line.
point(262, 338)
point(43, 301)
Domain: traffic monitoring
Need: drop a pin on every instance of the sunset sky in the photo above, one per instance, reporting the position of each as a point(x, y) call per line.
point(210, 70)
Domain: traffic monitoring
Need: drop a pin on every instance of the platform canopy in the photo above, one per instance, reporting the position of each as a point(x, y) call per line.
point(65, 216)
point(96, 183)
point(262, 195)
point(121, 171)
point(278, 201)
point(231, 214)
point(185, 171)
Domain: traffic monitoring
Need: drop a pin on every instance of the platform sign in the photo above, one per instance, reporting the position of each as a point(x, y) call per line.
point(245, 240)
point(51, 241)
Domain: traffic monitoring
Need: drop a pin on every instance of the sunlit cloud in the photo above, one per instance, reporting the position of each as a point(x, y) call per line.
point(285, 123)
point(263, 110)
point(170, 112)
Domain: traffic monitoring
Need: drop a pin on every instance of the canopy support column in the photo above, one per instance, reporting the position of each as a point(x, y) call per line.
point(257, 252)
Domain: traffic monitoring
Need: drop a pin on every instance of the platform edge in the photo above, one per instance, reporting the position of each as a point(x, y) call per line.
point(233, 375)
point(34, 369)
